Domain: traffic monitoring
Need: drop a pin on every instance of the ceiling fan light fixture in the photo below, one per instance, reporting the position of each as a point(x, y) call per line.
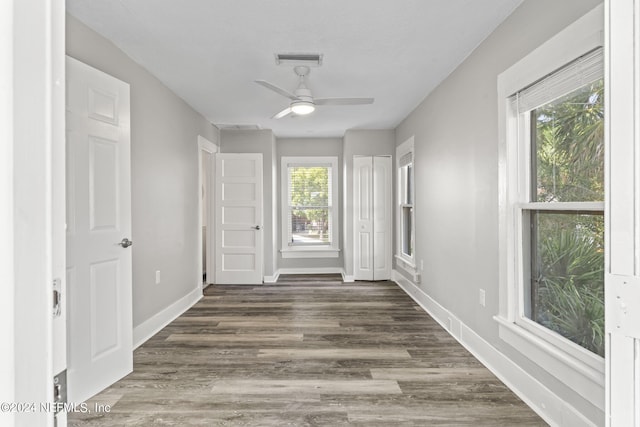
point(302, 107)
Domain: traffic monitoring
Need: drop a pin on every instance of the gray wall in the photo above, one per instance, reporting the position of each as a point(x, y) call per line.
point(259, 141)
point(309, 147)
point(456, 155)
point(360, 143)
point(164, 175)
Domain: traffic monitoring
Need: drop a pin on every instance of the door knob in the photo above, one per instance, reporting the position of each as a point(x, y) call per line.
point(257, 227)
point(125, 243)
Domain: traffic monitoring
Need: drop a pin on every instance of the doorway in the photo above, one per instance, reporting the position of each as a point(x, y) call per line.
point(206, 174)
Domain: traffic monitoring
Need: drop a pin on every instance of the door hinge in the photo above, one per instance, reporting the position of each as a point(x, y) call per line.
point(60, 389)
point(57, 297)
point(622, 305)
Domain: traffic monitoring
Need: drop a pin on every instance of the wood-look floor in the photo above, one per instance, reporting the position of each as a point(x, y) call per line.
point(307, 351)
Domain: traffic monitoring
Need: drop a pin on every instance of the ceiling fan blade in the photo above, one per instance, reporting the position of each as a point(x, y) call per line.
point(282, 113)
point(342, 101)
point(276, 89)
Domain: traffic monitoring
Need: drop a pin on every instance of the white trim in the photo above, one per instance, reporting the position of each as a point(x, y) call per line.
point(324, 270)
point(347, 279)
point(36, 30)
point(582, 36)
point(158, 321)
point(207, 146)
point(406, 147)
point(622, 222)
point(272, 279)
point(408, 267)
point(562, 206)
point(322, 251)
point(551, 407)
point(7, 325)
point(318, 270)
point(310, 252)
point(585, 379)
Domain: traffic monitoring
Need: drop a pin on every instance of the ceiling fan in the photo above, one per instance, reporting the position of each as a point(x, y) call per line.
point(302, 102)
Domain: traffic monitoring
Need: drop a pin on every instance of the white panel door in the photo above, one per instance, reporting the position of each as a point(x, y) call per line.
point(98, 219)
point(239, 242)
point(382, 217)
point(372, 217)
point(363, 212)
point(622, 281)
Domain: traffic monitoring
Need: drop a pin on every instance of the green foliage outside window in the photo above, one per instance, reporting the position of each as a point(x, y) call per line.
point(567, 265)
point(309, 203)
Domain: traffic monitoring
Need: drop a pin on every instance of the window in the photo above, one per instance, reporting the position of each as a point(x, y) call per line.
point(309, 207)
point(406, 229)
point(551, 207)
point(560, 122)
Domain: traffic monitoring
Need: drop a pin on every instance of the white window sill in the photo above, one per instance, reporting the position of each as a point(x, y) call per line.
point(408, 265)
point(310, 252)
point(582, 371)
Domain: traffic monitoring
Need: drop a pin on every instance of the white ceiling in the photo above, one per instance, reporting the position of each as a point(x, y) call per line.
point(209, 52)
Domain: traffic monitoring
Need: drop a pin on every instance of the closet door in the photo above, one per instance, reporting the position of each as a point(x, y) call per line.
point(372, 217)
point(382, 217)
point(363, 221)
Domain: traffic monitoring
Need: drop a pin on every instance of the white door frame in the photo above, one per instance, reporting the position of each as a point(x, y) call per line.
point(31, 199)
point(7, 358)
point(622, 210)
point(206, 146)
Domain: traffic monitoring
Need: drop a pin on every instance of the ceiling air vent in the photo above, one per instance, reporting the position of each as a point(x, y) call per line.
point(295, 59)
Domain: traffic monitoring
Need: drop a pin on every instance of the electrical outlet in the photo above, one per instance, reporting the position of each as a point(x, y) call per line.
point(421, 265)
point(157, 277)
point(482, 297)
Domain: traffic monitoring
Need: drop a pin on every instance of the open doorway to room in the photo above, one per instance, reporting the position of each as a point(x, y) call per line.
point(206, 166)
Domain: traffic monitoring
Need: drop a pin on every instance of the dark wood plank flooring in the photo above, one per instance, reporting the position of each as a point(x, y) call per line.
point(307, 351)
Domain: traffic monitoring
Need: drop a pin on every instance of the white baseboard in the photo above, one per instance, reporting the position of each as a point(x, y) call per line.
point(272, 279)
point(348, 279)
point(321, 270)
point(543, 401)
point(154, 324)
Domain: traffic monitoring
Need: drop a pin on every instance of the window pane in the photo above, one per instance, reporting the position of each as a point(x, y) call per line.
point(405, 185)
point(568, 147)
point(407, 226)
point(309, 204)
point(409, 189)
point(309, 186)
point(310, 227)
point(567, 276)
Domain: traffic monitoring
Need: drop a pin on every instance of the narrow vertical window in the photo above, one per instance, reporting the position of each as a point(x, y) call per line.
point(406, 213)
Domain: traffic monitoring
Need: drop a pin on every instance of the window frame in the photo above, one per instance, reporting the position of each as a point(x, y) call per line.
point(331, 250)
point(578, 368)
point(406, 148)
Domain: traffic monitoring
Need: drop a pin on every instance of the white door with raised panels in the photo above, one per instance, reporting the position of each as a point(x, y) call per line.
point(372, 217)
point(239, 241)
point(98, 198)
